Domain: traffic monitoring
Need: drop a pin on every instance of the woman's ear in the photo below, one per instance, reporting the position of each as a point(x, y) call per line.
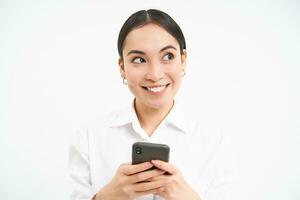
point(183, 59)
point(121, 67)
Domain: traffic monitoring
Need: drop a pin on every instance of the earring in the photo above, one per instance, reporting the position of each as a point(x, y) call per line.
point(183, 73)
point(124, 81)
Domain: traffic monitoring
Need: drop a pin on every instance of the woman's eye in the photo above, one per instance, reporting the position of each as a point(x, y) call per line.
point(138, 60)
point(168, 56)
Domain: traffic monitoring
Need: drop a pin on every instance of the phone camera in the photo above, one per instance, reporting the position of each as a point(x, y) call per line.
point(138, 150)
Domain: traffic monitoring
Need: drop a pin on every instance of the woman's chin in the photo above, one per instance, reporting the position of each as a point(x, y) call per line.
point(154, 104)
point(159, 105)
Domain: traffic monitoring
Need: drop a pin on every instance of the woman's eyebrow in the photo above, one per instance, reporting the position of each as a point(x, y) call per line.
point(136, 52)
point(167, 47)
point(143, 53)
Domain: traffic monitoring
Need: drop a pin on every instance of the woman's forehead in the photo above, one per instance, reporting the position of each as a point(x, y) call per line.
point(150, 37)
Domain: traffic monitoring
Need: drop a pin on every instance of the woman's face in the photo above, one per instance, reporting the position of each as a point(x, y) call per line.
point(152, 65)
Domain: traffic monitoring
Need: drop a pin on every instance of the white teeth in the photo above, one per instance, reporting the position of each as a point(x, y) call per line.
point(156, 89)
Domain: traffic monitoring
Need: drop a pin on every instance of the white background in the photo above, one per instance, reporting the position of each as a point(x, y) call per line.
point(58, 70)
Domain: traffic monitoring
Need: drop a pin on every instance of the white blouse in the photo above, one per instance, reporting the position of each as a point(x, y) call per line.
point(204, 158)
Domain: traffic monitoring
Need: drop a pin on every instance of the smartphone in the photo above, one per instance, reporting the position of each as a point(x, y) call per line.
point(145, 151)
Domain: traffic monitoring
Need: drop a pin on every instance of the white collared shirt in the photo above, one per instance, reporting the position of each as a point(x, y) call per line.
point(202, 157)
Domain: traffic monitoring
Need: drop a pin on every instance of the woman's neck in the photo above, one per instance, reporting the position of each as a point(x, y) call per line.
point(150, 118)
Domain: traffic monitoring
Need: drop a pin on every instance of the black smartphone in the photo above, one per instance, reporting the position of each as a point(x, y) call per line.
point(145, 151)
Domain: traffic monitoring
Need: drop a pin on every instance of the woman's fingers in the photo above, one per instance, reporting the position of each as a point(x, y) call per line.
point(146, 186)
point(156, 178)
point(144, 176)
point(129, 169)
point(153, 191)
point(164, 166)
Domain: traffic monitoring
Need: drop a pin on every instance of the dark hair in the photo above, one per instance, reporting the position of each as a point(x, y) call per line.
point(158, 17)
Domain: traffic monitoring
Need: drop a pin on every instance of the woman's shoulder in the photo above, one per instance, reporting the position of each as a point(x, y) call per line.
point(200, 126)
point(105, 120)
point(101, 123)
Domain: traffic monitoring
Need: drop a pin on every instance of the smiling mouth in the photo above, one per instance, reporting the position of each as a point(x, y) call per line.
point(156, 89)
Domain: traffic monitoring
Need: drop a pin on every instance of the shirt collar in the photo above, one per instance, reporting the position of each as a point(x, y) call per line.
point(175, 117)
point(125, 116)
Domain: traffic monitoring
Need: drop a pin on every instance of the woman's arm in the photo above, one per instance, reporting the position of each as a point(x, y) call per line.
point(79, 167)
point(128, 183)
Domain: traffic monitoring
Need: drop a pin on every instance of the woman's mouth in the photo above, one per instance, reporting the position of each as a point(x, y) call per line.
point(156, 89)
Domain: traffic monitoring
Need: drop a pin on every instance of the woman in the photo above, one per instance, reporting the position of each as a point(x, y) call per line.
point(152, 63)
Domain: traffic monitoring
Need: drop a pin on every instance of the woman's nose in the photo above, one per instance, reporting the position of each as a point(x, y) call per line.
point(155, 72)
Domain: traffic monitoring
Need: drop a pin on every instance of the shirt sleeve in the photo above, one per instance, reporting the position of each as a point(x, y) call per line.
point(79, 167)
point(221, 187)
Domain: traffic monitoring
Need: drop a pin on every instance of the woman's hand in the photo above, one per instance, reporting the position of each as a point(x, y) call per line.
point(131, 181)
point(176, 187)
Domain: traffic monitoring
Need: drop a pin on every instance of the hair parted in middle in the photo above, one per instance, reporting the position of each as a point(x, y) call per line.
point(155, 16)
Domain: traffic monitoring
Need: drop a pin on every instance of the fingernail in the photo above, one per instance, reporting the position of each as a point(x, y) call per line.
point(155, 161)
